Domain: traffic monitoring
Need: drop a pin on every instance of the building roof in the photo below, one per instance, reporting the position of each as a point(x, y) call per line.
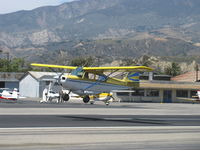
point(169, 85)
point(39, 75)
point(42, 75)
point(187, 77)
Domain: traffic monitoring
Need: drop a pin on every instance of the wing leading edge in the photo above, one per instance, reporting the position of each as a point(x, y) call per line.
point(119, 69)
point(100, 69)
point(53, 66)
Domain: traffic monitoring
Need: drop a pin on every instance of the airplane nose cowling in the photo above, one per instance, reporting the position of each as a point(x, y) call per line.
point(62, 79)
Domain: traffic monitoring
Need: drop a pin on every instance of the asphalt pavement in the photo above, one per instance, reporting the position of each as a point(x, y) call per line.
point(74, 126)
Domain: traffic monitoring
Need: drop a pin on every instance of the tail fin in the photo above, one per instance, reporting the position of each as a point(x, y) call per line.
point(133, 77)
point(15, 94)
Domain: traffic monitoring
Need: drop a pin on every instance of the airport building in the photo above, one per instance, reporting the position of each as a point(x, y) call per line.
point(177, 89)
point(33, 83)
point(10, 79)
point(153, 88)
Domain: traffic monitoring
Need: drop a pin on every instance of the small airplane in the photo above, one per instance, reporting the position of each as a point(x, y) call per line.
point(49, 95)
point(9, 96)
point(94, 83)
point(195, 98)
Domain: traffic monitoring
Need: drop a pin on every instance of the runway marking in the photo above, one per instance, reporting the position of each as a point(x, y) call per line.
point(118, 118)
point(119, 127)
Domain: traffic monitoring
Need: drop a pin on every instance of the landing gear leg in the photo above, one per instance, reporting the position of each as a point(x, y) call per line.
point(92, 102)
point(107, 103)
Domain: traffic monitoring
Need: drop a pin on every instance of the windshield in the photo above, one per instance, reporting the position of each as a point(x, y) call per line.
point(78, 72)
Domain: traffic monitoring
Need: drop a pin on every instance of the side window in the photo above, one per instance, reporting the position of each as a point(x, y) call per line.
point(101, 78)
point(181, 93)
point(122, 93)
point(91, 76)
point(153, 93)
point(139, 92)
point(80, 74)
point(193, 93)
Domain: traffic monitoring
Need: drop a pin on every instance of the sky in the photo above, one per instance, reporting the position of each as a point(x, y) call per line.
point(8, 6)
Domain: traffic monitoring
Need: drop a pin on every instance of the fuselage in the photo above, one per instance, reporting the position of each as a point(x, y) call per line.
point(8, 95)
point(88, 86)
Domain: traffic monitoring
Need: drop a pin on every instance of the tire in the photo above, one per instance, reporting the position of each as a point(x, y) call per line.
point(65, 97)
point(86, 99)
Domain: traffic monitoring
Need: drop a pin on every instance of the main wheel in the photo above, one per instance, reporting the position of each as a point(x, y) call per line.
point(86, 99)
point(92, 102)
point(65, 97)
point(107, 103)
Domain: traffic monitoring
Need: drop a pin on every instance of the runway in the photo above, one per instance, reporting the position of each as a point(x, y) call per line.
point(109, 138)
point(14, 121)
point(75, 126)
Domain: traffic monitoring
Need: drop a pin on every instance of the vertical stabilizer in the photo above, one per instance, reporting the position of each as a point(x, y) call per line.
point(132, 79)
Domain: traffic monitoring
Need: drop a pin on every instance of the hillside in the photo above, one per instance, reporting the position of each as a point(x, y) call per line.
point(113, 29)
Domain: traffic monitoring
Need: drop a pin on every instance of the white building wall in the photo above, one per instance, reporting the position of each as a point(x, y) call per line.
point(29, 87)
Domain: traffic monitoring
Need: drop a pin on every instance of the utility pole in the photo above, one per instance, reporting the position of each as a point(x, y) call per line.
point(197, 73)
point(8, 59)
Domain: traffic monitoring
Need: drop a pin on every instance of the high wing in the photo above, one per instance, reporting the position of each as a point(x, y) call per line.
point(118, 69)
point(100, 69)
point(53, 66)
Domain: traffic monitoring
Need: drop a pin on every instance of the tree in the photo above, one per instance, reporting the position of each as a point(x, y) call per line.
point(4, 65)
point(14, 65)
point(173, 69)
point(81, 61)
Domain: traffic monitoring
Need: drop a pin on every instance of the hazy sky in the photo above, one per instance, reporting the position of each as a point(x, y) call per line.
point(7, 6)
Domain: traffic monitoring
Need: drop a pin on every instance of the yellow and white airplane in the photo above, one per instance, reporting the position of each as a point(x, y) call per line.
point(91, 82)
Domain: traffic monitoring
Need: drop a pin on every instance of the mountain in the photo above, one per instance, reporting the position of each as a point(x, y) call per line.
point(112, 28)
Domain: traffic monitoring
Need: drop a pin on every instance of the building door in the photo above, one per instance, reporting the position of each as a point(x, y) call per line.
point(2, 84)
point(167, 96)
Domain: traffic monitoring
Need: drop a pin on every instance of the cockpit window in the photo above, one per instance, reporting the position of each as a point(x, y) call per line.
point(78, 72)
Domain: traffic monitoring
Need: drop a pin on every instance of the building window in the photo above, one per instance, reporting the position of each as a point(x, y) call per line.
point(181, 93)
point(122, 93)
point(154, 93)
point(138, 93)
